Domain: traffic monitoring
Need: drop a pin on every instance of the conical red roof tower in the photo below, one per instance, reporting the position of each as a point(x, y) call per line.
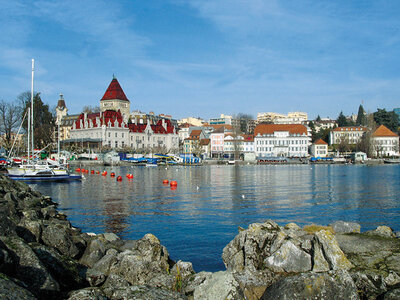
point(114, 91)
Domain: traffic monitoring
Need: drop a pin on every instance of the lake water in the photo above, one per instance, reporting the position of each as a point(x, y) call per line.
point(196, 220)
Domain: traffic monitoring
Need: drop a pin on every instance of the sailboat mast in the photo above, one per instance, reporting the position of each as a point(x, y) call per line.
point(29, 125)
point(33, 71)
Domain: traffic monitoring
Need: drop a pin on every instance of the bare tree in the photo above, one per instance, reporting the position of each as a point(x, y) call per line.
point(91, 109)
point(10, 119)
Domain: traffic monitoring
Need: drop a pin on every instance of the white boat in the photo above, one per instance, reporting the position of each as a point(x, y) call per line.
point(39, 170)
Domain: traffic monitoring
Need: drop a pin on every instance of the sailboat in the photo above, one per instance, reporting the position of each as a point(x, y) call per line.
point(39, 170)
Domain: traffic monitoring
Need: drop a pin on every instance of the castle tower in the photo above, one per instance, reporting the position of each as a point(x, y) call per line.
point(114, 99)
point(61, 109)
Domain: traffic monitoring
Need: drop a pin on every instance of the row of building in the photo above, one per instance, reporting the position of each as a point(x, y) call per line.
point(272, 135)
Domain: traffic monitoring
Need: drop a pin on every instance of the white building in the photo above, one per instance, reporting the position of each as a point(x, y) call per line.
point(110, 127)
point(385, 142)
point(191, 120)
point(276, 118)
point(241, 144)
point(286, 140)
point(350, 134)
point(223, 119)
point(319, 148)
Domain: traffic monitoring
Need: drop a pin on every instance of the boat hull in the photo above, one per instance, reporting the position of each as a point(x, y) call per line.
point(45, 178)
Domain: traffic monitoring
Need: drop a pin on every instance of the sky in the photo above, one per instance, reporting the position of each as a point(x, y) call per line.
point(202, 58)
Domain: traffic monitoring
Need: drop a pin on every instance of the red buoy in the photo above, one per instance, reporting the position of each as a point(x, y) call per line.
point(77, 169)
point(173, 187)
point(92, 172)
point(165, 181)
point(119, 178)
point(104, 173)
point(173, 183)
point(97, 172)
point(112, 174)
point(130, 176)
point(83, 170)
point(86, 171)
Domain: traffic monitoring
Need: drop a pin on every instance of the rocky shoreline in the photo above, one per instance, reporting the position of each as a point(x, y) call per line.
point(42, 256)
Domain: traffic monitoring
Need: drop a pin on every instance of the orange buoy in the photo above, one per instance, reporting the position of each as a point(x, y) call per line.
point(130, 176)
point(165, 181)
point(92, 172)
point(83, 170)
point(104, 173)
point(173, 183)
point(119, 178)
point(86, 171)
point(112, 174)
point(77, 169)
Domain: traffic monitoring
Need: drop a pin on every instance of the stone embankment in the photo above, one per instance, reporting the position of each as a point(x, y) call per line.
point(43, 257)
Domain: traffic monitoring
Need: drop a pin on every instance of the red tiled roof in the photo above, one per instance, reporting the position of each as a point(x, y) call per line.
point(105, 117)
point(350, 128)
point(248, 137)
point(204, 142)
point(383, 131)
point(195, 133)
point(321, 142)
point(114, 91)
point(271, 128)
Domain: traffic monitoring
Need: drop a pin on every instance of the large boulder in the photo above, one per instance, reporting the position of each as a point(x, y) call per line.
point(9, 290)
point(219, 286)
point(328, 285)
point(30, 269)
point(345, 227)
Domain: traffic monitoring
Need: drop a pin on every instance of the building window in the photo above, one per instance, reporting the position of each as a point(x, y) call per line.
point(116, 134)
point(116, 144)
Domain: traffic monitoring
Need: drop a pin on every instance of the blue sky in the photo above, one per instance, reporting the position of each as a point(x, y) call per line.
point(203, 58)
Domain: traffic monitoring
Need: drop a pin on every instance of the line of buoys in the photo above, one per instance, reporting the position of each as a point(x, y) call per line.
point(165, 181)
point(173, 183)
point(119, 178)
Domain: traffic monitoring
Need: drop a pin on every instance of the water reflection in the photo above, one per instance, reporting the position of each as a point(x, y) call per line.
point(196, 220)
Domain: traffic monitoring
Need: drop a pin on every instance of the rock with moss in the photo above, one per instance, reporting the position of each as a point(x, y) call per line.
point(345, 227)
point(329, 285)
point(11, 290)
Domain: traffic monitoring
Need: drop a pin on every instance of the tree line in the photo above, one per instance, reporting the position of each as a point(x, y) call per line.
point(12, 116)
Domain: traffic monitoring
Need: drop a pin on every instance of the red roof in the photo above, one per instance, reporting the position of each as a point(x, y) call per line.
point(105, 117)
point(321, 142)
point(114, 91)
point(271, 128)
point(383, 131)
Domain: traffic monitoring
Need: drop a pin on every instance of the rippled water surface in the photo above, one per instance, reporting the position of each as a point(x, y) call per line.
point(202, 215)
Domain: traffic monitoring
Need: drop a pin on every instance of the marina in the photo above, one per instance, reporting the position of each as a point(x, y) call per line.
point(199, 216)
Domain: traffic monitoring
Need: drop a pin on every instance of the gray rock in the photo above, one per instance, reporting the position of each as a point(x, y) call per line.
point(292, 226)
point(384, 231)
point(345, 227)
point(319, 262)
point(392, 279)
point(9, 290)
point(330, 285)
point(113, 283)
point(195, 280)
point(106, 262)
point(30, 231)
point(220, 285)
point(91, 293)
point(145, 293)
point(56, 235)
point(30, 269)
point(68, 272)
point(289, 258)
point(369, 286)
point(392, 295)
point(183, 269)
point(110, 237)
point(93, 253)
point(332, 252)
point(95, 278)
point(372, 253)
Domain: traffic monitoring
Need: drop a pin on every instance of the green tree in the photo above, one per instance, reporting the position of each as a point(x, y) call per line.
point(361, 116)
point(318, 119)
point(342, 120)
point(387, 118)
point(44, 121)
